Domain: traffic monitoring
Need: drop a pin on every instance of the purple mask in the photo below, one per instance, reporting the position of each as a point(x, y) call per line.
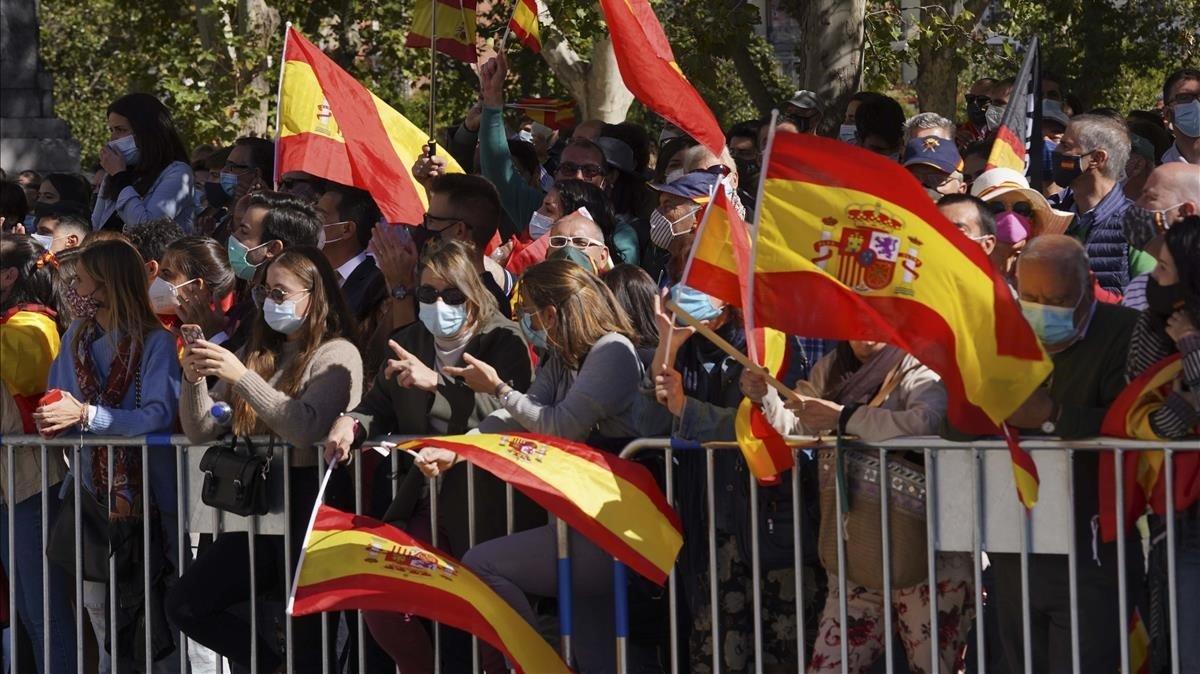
point(1011, 227)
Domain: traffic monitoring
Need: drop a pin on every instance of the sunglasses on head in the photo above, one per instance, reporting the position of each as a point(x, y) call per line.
point(569, 169)
point(1019, 207)
point(429, 295)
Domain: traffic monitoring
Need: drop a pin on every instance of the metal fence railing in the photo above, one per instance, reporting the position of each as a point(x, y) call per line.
point(970, 510)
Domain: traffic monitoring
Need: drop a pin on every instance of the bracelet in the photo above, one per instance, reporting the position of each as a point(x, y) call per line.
point(507, 394)
point(83, 416)
point(499, 388)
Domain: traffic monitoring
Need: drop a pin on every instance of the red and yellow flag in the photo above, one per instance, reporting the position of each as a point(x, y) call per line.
point(1139, 644)
point(29, 343)
point(1129, 417)
point(766, 452)
point(331, 126)
point(551, 112)
point(524, 24)
point(649, 69)
point(455, 28)
point(1025, 472)
point(850, 247)
point(354, 562)
point(613, 502)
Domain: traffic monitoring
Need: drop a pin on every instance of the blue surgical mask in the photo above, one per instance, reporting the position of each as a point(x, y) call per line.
point(694, 303)
point(1185, 117)
point(1053, 325)
point(539, 224)
point(441, 319)
point(281, 316)
point(128, 149)
point(524, 135)
point(536, 337)
point(228, 182)
point(44, 240)
point(198, 199)
point(848, 133)
point(237, 259)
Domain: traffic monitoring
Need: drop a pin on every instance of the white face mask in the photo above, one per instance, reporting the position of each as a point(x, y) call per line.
point(44, 240)
point(848, 133)
point(127, 147)
point(322, 241)
point(281, 316)
point(441, 319)
point(539, 224)
point(164, 297)
point(662, 230)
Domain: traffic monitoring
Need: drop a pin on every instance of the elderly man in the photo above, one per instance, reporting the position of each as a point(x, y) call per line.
point(1172, 192)
point(928, 124)
point(1088, 342)
point(578, 230)
point(1181, 102)
point(1088, 164)
point(935, 162)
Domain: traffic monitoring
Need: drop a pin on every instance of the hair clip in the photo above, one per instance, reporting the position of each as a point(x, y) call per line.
point(47, 258)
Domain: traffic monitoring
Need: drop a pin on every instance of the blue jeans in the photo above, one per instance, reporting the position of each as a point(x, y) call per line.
point(27, 569)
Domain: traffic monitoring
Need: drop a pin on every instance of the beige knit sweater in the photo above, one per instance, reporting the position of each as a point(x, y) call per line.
point(331, 385)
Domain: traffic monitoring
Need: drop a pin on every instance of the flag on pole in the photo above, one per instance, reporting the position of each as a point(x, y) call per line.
point(455, 28)
point(613, 502)
point(524, 24)
point(1019, 141)
point(648, 68)
point(554, 113)
point(332, 127)
point(351, 562)
point(765, 450)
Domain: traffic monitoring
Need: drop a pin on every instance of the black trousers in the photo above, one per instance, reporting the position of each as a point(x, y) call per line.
point(1100, 623)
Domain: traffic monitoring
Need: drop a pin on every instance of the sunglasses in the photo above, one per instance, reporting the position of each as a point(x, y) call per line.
point(429, 218)
point(430, 295)
point(570, 170)
point(580, 242)
point(981, 101)
point(276, 295)
point(1023, 208)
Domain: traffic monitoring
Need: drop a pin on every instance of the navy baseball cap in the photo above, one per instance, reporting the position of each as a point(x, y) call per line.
point(697, 186)
point(933, 151)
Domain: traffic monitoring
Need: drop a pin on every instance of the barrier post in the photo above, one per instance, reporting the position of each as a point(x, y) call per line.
point(13, 618)
point(798, 563)
point(433, 539)
point(1122, 598)
point(885, 498)
point(931, 549)
point(1172, 600)
point(565, 604)
point(470, 544)
point(713, 599)
point(287, 552)
point(621, 606)
point(672, 610)
point(1072, 563)
point(756, 575)
point(80, 612)
point(977, 559)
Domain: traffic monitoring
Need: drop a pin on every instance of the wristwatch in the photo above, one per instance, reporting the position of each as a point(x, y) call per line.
point(400, 292)
point(1049, 426)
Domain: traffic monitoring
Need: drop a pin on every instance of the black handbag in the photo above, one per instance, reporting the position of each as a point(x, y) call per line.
point(60, 546)
point(235, 477)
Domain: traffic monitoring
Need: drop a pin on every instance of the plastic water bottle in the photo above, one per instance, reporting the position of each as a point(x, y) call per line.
point(223, 413)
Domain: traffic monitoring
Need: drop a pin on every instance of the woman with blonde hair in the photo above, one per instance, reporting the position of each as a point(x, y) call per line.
point(415, 395)
point(301, 370)
point(587, 388)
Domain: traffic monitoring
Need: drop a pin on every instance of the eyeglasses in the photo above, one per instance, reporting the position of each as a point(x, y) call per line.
point(981, 101)
point(429, 295)
point(276, 295)
point(429, 218)
point(580, 242)
point(1183, 98)
point(1023, 208)
point(236, 168)
point(569, 169)
point(935, 179)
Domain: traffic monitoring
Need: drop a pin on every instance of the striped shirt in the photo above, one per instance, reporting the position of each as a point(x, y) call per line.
point(1135, 293)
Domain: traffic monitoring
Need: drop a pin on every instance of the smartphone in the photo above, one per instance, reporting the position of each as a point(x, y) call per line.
point(191, 333)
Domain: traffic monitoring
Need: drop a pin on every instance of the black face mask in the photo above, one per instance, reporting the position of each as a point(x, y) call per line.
point(215, 195)
point(747, 171)
point(1164, 300)
point(977, 114)
point(1066, 168)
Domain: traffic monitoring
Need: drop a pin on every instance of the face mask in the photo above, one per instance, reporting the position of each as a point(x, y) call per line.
point(848, 133)
point(198, 199)
point(228, 182)
point(1138, 219)
point(747, 169)
point(215, 194)
point(322, 241)
point(441, 319)
point(1011, 227)
point(993, 116)
point(162, 297)
point(526, 136)
point(536, 337)
point(1185, 117)
point(126, 146)
point(672, 176)
point(538, 225)
point(281, 316)
point(694, 303)
point(44, 240)
point(83, 308)
point(237, 258)
point(1066, 168)
point(1052, 325)
point(662, 230)
point(1164, 300)
point(977, 114)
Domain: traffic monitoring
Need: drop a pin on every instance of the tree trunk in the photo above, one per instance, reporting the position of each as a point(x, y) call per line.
point(833, 56)
point(747, 69)
point(259, 23)
point(595, 85)
point(937, 71)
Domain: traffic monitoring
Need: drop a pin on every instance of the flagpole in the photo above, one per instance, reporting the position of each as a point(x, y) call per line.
point(312, 521)
point(287, 28)
point(748, 314)
point(433, 37)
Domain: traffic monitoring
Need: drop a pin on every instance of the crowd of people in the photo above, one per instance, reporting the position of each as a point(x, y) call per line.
point(530, 298)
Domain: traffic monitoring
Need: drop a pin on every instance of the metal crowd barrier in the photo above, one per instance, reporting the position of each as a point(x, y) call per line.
point(983, 465)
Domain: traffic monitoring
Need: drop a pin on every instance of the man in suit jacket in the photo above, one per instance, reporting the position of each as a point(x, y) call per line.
point(350, 215)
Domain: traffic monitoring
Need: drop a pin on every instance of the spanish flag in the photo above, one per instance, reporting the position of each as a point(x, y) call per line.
point(352, 562)
point(613, 502)
point(850, 247)
point(29, 343)
point(455, 28)
point(766, 452)
point(649, 69)
point(1139, 644)
point(1018, 143)
point(1025, 472)
point(333, 127)
point(1129, 417)
point(524, 24)
point(551, 112)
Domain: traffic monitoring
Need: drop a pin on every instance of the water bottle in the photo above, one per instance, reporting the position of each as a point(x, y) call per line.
point(223, 414)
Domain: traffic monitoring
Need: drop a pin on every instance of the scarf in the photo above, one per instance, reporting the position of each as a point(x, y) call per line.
point(858, 386)
point(125, 484)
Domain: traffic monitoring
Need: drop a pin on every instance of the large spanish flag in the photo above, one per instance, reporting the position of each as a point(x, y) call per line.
point(455, 28)
point(353, 562)
point(649, 69)
point(765, 450)
point(850, 247)
point(331, 126)
point(524, 24)
point(1129, 417)
point(29, 343)
point(613, 502)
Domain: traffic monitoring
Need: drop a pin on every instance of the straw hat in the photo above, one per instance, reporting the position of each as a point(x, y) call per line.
point(1007, 186)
